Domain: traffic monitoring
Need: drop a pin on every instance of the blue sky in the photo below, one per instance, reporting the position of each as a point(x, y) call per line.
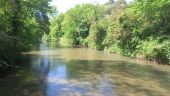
point(64, 5)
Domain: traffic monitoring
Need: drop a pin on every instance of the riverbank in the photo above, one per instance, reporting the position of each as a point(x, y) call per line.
point(130, 32)
point(56, 70)
point(115, 51)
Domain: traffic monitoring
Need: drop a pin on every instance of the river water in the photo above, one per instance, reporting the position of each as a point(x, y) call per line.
point(53, 70)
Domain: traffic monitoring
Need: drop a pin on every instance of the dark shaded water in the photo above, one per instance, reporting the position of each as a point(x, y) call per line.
point(59, 71)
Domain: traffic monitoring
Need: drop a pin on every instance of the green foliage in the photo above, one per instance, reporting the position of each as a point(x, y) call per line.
point(153, 49)
point(96, 36)
point(149, 48)
point(22, 25)
point(55, 28)
point(140, 29)
point(73, 26)
point(77, 24)
point(166, 50)
point(143, 31)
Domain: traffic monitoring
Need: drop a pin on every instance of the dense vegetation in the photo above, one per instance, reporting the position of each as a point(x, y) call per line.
point(22, 23)
point(139, 29)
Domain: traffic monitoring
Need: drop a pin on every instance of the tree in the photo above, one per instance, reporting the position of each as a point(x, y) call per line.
point(77, 21)
point(22, 24)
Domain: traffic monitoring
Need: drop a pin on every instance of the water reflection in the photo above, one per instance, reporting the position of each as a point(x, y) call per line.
point(84, 72)
point(57, 80)
point(41, 67)
point(73, 78)
point(60, 80)
point(104, 78)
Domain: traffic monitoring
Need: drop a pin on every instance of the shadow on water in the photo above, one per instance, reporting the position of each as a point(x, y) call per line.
point(43, 75)
point(57, 77)
point(128, 78)
point(20, 82)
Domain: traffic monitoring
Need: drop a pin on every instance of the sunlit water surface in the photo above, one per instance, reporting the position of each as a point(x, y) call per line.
point(59, 71)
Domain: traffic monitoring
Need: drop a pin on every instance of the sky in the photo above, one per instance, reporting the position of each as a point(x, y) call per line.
point(64, 5)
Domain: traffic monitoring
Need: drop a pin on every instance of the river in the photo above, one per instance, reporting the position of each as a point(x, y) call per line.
point(54, 70)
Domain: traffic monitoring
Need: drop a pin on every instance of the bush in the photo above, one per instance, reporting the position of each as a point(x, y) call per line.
point(148, 49)
point(166, 50)
point(96, 36)
point(153, 49)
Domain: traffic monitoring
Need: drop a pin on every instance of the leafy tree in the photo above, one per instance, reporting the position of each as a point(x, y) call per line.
point(22, 24)
point(77, 21)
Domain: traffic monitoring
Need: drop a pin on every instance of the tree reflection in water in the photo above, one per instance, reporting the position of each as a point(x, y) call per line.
point(73, 72)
